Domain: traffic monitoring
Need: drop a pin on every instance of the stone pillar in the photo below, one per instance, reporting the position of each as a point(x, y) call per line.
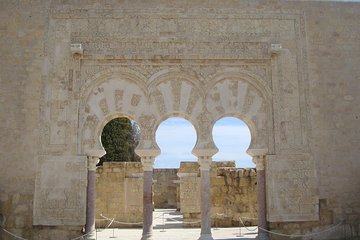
point(205, 159)
point(93, 159)
point(205, 165)
point(147, 160)
point(148, 207)
point(259, 156)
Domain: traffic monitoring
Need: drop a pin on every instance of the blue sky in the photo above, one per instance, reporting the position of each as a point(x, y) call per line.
point(176, 138)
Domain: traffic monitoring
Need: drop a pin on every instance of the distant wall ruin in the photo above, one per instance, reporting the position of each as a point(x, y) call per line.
point(119, 193)
point(165, 188)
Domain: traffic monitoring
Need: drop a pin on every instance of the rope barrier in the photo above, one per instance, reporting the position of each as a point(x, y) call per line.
point(217, 214)
point(125, 223)
point(183, 221)
point(251, 230)
point(83, 235)
point(15, 236)
point(304, 235)
point(112, 220)
point(249, 218)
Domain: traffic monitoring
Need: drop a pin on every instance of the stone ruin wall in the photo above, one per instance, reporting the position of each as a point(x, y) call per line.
point(119, 193)
point(165, 188)
point(233, 194)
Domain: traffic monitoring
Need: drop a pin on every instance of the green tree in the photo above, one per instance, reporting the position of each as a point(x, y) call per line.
point(120, 137)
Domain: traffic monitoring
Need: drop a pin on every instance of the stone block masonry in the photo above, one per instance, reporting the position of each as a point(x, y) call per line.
point(165, 188)
point(233, 193)
point(119, 194)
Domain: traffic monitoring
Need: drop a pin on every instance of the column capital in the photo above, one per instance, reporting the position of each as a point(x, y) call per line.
point(148, 152)
point(93, 158)
point(95, 153)
point(260, 162)
point(148, 157)
point(258, 156)
point(148, 162)
point(205, 157)
point(209, 152)
point(92, 162)
point(257, 152)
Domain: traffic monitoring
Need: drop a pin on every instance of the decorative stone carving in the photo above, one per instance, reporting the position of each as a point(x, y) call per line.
point(147, 124)
point(76, 48)
point(233, 74)
point(259, 162)
point(60, 191)
point(291, 188)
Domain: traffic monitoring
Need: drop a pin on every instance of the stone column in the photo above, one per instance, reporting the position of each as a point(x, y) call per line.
point(148, 207)
point(93, 159)
point(259, 156)
point(205, 165)
point(205, 159)
point(147, 159)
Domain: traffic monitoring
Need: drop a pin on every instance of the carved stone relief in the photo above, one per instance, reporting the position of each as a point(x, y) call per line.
point(212, 72)
point(237, 97)
point(175, 95)
point(60, 192)
point(292, 188)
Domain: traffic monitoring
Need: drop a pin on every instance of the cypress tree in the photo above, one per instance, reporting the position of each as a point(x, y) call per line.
point(119, 138)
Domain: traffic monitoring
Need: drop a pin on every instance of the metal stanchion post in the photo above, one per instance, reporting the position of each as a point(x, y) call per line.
point(113, 236)
point(216, 223)
point(240, 235)
point(163, 225)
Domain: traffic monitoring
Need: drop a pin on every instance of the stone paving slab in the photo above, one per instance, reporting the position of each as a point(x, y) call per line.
point(176, 234)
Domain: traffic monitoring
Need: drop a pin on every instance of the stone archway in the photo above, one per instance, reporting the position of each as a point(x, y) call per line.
point(174, 92)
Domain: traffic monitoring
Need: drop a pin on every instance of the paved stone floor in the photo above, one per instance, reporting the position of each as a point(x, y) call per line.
point(172, 230)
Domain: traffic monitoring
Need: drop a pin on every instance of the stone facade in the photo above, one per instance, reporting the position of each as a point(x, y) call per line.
point(289, 69)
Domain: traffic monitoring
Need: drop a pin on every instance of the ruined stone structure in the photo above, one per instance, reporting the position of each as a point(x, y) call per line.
point(165, 188)
point(119, 194)
point(233, 194)
point(289, 69)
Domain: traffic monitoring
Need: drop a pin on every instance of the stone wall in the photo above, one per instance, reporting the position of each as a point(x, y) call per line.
point(165, 188)
point(119, 194)
point(314, 80)
point(233, 194)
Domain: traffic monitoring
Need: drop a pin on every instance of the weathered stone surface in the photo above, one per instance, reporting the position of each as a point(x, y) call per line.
point(201, 61)
point(233, 194)
point(60, 193)
point(165, 195)
point(119, 194)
